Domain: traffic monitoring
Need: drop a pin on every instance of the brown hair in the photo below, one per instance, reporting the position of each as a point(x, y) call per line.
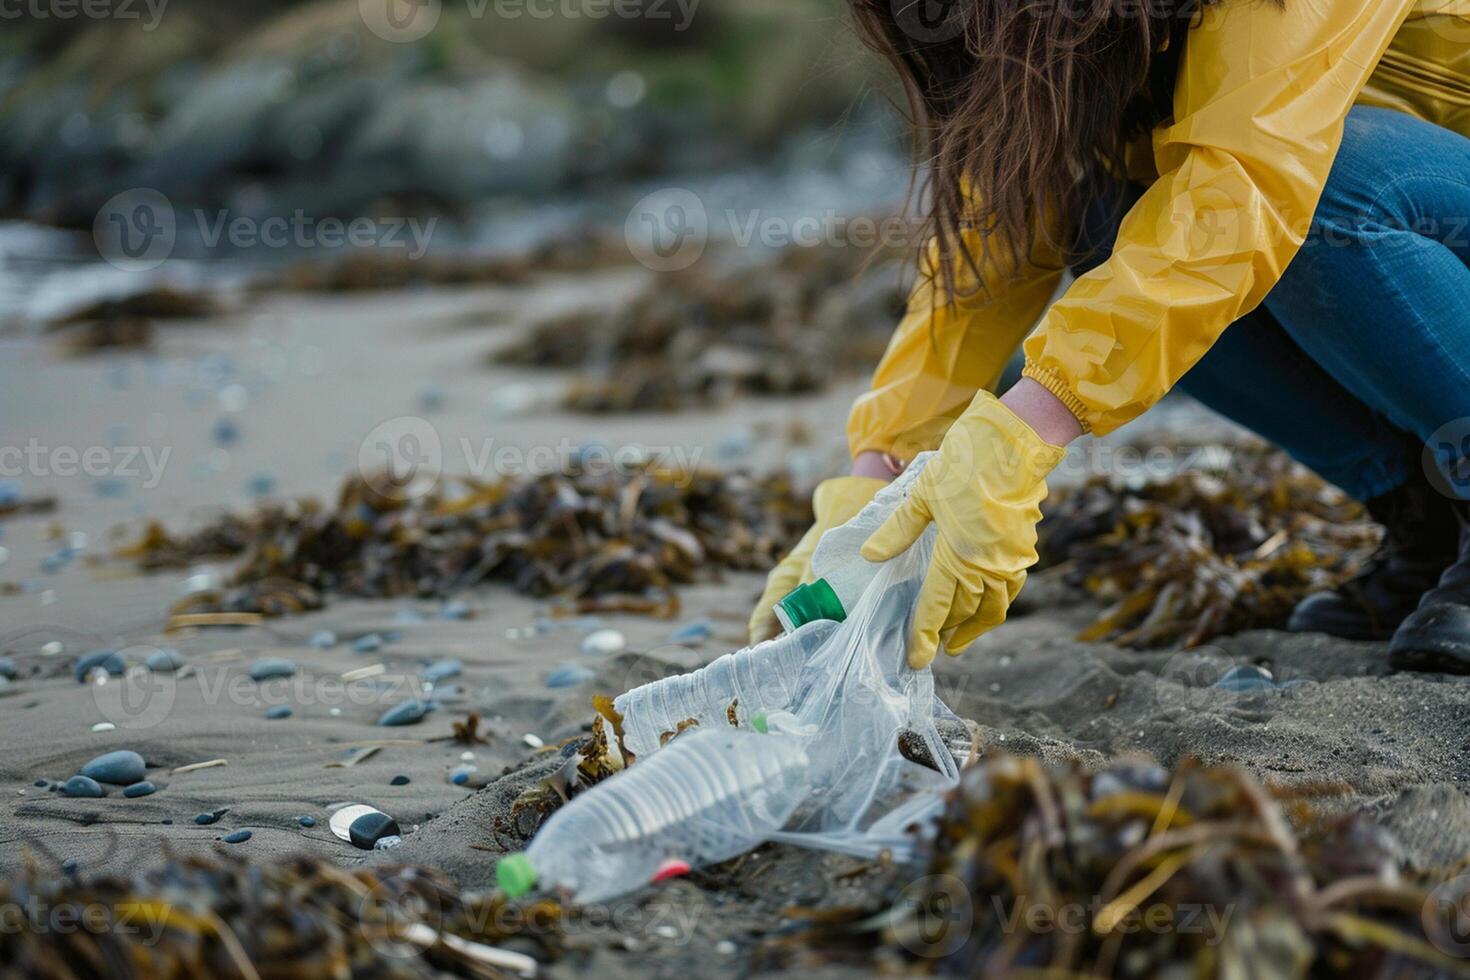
point(1020, 108)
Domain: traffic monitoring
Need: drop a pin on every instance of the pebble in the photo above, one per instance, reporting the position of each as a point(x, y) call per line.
point(399, 781)
point(42, 783)
point(4, 554)
point(136, 790)
point(69, 866)
point(225, 432)
point(238, 837)
point(407, 713)
point(364, 826)
point(205, 819)
point(460, 775)
point(455, 609)
point(569, 675)
point(371, 643)
point(52, 648)
point(603, 643)
point(108, 660)
point(200, 582)
point(323, 640)
point(725, 947)
point(532, 740)
point(1246, 679)
point(103, 726)
point(264, 670)
point(164, 661)
point(279, 711)
point(695, 632)
point(306, 821)
point(387, 842)
point(82, 786)
point(442, 670)
point(261, 484)
point(121, 768)
point(8, 669)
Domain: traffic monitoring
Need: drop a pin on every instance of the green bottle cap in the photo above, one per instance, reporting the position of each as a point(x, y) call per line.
point(809, 603)
point(758, 722)
point(515, 874)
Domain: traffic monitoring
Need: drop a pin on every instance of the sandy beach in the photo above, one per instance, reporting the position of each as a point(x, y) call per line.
point(307, 380)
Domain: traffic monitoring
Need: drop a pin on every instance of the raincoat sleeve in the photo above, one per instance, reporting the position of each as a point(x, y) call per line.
point(943, 353)
point(1259, 111)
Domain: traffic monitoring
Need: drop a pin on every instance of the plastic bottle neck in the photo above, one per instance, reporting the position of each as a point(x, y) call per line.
point(809, 603)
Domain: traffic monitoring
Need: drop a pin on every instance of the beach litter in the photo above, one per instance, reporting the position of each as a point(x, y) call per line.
point(823, 737)
point(1233, 543)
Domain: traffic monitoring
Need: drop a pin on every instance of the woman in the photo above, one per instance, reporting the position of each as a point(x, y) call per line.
point(1297, 171)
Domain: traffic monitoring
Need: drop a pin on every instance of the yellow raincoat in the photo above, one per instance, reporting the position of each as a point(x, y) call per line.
point(1259, 111)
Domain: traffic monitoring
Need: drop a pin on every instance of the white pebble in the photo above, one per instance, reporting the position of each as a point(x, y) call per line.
point(467, 757)
point(666, 931)
point(534, 741)
point(103, 726)
point(603, 643)
point(725, 948)
point(334, 712)
point(4, 555)
point(53, 648)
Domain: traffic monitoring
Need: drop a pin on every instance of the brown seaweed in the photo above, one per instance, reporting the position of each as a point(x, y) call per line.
point(706, 334)
point(222, 917)
point(1206, 552)
point(1139, 872)
point(591, 542)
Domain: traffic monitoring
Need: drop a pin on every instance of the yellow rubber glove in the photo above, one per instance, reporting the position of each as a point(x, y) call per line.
point(983, 491)
point(836, 502)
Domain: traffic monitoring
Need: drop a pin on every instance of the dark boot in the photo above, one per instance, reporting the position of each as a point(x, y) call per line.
point(1421, 540)
point(1436, 636)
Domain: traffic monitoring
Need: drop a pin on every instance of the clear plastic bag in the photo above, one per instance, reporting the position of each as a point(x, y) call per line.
point(864, 726)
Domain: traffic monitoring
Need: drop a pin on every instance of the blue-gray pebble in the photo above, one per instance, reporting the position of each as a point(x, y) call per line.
point(264, 670)
point(108, 660)
point(407, 713)
point(83, 786)
point(121, 768)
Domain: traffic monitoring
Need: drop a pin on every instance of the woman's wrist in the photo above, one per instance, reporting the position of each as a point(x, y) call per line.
point(1047, 414)
point(879, 466)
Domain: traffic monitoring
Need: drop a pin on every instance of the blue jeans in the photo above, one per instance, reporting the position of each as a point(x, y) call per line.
point(1361, 354)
